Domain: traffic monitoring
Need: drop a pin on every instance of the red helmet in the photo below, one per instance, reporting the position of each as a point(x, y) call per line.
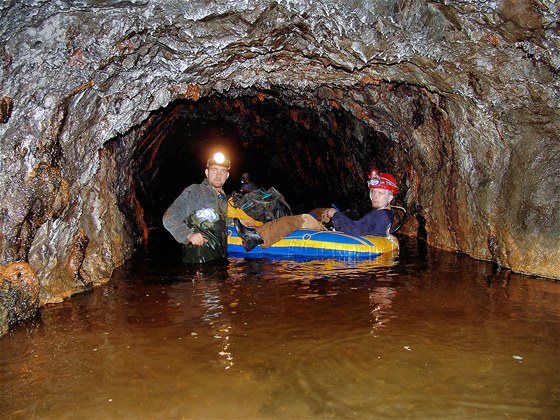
point(382, 181)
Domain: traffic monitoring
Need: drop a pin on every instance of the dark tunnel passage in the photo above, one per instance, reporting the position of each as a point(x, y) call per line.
point(313, 158)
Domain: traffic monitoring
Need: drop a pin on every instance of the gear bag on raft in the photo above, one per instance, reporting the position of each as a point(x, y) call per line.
point(213, 228)
point(263, 205)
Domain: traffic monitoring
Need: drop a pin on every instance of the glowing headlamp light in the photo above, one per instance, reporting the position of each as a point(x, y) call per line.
point(219, 157)
point(374, 179)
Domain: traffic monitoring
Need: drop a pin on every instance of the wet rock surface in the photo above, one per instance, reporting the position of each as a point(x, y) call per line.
point(19, 294)
point(99, 100)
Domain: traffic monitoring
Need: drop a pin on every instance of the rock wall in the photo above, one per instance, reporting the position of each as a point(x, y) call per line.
point(464, 96)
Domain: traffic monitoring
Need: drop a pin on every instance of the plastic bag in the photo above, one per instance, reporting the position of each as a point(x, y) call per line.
point(213, 228)
point(263, 205)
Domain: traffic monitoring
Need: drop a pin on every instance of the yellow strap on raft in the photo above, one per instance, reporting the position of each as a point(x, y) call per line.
point(233, 212)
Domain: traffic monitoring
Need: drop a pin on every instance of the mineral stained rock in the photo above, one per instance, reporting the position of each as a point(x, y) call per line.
point(19, 294)
point(460, 100)
point(6, 106)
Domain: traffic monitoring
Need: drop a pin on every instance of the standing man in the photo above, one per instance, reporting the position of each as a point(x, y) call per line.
point(198, 217)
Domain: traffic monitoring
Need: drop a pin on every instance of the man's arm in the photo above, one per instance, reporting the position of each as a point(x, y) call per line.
point(374, 223)
point(175, 215)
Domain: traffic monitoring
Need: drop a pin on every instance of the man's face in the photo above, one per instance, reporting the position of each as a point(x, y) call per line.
point(217, 175)
point(380, 198)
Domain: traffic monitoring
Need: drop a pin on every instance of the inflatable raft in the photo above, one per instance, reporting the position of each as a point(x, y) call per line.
point(319, 243)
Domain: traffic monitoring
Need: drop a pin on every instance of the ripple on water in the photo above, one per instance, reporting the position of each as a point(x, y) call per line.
point(437, 337)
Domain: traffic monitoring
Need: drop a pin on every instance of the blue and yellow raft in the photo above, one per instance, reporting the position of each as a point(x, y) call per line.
point(320, 244)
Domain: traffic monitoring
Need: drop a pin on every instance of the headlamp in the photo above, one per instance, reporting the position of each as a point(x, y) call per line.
point(220, 160)
point(384, 181)
point(219, 157)
point(374, 182)
point(374, 179)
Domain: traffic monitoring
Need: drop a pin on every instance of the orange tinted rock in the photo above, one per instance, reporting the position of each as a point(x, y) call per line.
point(19, 294)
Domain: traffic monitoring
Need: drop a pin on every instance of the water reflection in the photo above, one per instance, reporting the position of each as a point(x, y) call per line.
point(425, 335)
point(381, 298)
point(303, 269)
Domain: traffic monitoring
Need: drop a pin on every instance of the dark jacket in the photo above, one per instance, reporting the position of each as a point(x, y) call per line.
point(377, 222)
point(199, 208)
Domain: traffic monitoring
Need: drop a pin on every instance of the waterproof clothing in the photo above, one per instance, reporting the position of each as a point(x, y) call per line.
point(377, 222)
point(199, 208)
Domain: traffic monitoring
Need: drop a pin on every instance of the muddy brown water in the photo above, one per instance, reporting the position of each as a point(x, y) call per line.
point(430, 335)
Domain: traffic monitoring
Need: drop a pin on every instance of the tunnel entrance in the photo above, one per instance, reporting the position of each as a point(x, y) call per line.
point(313, 157)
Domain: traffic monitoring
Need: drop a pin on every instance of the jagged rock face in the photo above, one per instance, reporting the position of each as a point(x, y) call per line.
point(99, 103)
point(19, 294)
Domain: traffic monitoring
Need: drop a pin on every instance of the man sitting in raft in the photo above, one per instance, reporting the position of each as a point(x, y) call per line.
point(377, 222)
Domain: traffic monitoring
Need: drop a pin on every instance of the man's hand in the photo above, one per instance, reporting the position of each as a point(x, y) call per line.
point(330, 213)
point(197, 239)
point(321, 214)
